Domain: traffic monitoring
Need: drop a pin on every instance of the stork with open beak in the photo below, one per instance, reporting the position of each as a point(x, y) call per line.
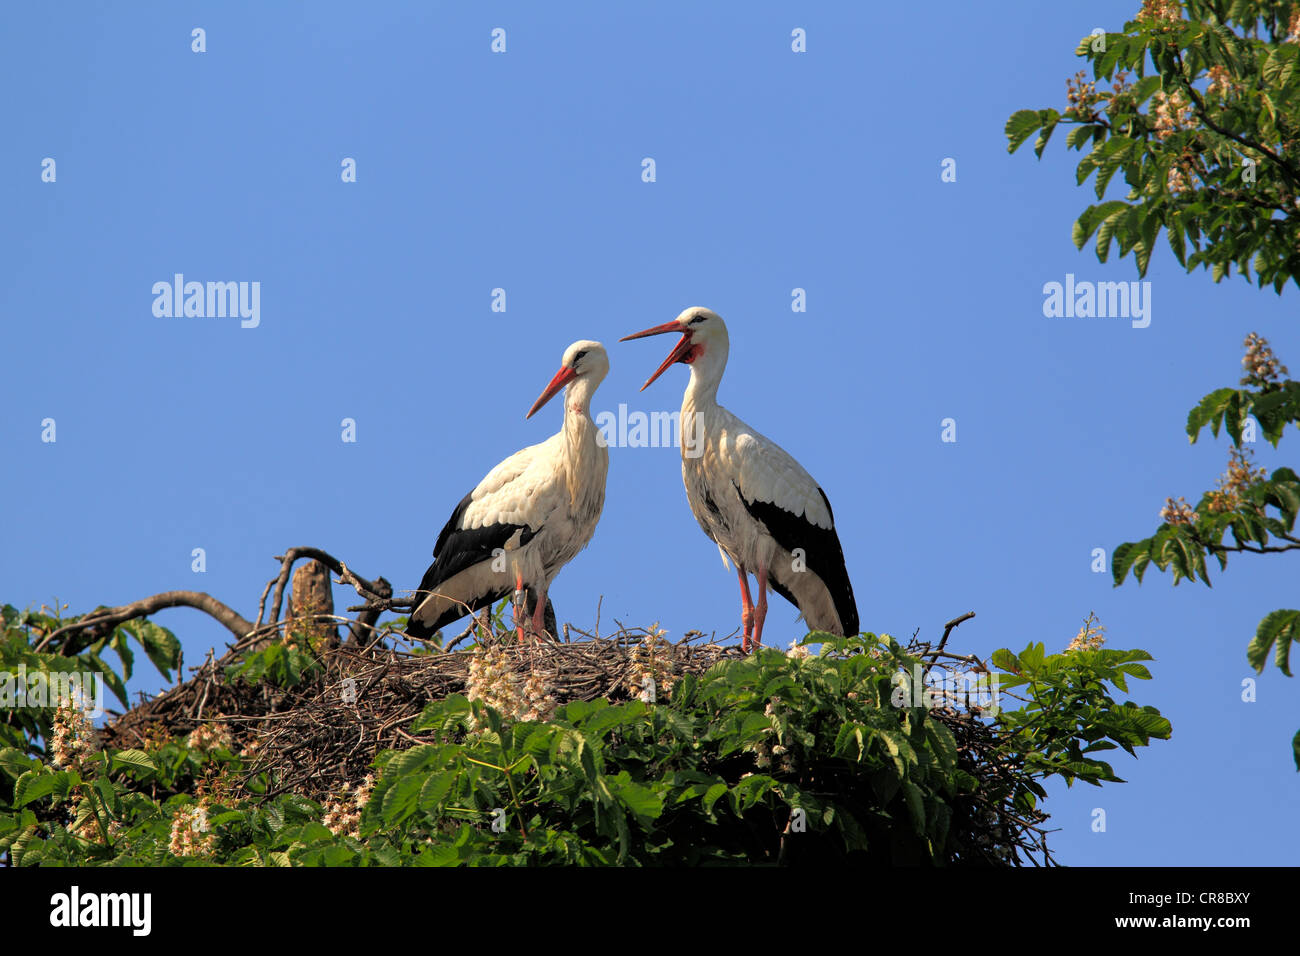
point(528, 518)
point(751, 497)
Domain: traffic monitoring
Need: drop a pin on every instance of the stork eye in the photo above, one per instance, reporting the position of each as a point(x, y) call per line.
point(697, 320)
point(577, 358)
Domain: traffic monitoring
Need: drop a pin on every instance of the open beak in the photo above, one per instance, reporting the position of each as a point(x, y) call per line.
point(562, 378)
point(679, 352)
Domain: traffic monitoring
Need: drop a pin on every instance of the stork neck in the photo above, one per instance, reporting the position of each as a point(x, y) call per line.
point(577, 401)
point(706, 376)
point(578, 425)
point(585, 455)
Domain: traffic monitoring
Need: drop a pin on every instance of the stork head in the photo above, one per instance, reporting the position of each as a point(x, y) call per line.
point(703, 333)
point(585, 362)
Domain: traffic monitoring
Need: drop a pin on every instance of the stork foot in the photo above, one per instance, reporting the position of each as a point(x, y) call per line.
point(746, 610)
point(760, 609)
point(539, 618)
point(519, 605)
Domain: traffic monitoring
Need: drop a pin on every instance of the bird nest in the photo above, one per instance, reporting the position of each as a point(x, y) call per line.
point(324, 733)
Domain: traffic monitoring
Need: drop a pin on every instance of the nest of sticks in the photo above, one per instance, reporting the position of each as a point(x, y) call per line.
point(324, 733)
point(366, 684)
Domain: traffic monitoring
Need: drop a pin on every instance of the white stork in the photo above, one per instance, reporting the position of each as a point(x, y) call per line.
point(751, 497)
point(529, 517)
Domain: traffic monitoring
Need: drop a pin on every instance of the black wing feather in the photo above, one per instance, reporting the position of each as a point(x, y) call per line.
point(821, 547)
point(459, 548)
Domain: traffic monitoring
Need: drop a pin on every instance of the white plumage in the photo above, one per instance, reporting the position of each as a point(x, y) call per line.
point(528, 517)
point(764, 511)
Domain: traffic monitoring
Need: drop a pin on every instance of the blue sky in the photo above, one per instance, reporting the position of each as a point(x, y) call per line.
point(522, 171)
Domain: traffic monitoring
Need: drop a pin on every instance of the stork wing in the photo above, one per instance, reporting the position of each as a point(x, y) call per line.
point(460, 547)
point(506, 510)
point(763, 471)
point(779, 494)
point(821, 551)
point(522, 490)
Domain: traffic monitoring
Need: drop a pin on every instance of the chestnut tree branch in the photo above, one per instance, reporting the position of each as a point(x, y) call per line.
point(103, 620)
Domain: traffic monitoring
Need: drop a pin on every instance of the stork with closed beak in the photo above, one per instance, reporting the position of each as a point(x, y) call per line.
point(528, 518)
point(751, 497)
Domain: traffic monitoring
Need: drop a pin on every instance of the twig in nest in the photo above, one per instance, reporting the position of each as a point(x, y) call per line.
point(947, 628)
point(375, 592)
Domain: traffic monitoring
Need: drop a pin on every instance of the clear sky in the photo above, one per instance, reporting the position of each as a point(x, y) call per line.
point(476, 170)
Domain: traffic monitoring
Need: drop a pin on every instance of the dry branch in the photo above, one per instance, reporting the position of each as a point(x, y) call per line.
point(103, 620)
point(378, 593)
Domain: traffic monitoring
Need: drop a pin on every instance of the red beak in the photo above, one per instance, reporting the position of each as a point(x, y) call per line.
point(562, 378)
point(679, 352)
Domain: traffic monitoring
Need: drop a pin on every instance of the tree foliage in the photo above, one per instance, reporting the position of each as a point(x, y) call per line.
point(1203, 121)
point(57, 651)
point(775, 758)
point(1258, 509)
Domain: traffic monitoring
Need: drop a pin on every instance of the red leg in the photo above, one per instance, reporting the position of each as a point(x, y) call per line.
point(760, 609)
point(539, 616)
point(746, 609)
point(520, 606)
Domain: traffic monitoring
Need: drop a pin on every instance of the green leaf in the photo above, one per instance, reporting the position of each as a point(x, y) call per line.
point(399, 802)
point(943, 743)
point(1148, 229)
point(749, 791)
point(1145, 87)
point(435, 788)
point(1279, 65)
point(1049, 124)
point(132, 758)
point(1019, 126)
point(714, 793)
point(1104, 234)
point(1174, 234)
point(15, 763)
point(114, 682)
point(850, 732)
point(160, 645)
point(1234, 417)
point(1006, 660)
point(119, 644)
point(1209, 411)
point(1080, 231)
point(609, 718)
point(1093, 216)
point(1078, 136)
point(1108, 158)
point(1121, 560)
point(1280, 628)
point(35, 784)
point(915, 801)
point(1032, 657)
point(643, 802)
point(1140, 563)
